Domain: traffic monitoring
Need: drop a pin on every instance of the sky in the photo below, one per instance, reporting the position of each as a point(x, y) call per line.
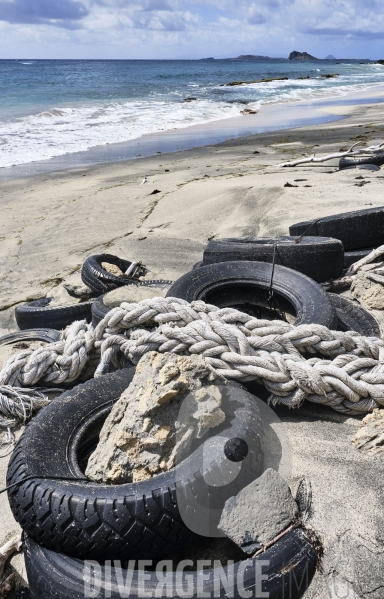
point(178, 29)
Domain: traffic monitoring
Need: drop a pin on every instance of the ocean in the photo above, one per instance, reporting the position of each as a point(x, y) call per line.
point(52, 108)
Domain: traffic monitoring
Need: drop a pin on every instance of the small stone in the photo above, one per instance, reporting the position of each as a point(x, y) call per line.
point(259, 512)
point(115, 474)
point(146, 424)
point(127, 443)
point(153, 469)
point(150, 443)
point(212, 419)
point(139, 474)
point(162, 432)
point(248, 111)
point(167, 373)
point(370, 438)
point(144, 394)
point(210, 392)
point(167, 396)
point(112, 269)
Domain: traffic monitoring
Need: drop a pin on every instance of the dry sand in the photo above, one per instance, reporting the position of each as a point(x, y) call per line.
point(51, 223)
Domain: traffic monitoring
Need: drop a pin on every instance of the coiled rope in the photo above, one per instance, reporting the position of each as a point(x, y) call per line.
point(239, 346)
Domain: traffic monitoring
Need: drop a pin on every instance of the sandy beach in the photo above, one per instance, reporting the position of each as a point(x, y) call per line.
point(52, 221)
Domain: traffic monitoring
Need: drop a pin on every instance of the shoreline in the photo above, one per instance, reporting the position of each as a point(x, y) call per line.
point(53, 220)
point(271, 117)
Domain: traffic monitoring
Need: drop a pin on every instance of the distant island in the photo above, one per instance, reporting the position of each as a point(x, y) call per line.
point(293, 56)
point(301, 56)
point(252, 57)
point(244, 57)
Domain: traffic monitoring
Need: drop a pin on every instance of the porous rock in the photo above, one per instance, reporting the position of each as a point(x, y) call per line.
point(143, 433)
point(248, 111)
point(370, 438)
point(259, 512)
point(112, 269)
point(366, 288)
point(133, 293)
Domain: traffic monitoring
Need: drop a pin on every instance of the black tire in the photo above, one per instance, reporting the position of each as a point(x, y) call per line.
point(377, 160)
point(363, 167)
point(47, 335)
point(23, 593)
point(352, 317)
point(135, 520)
point(356, 230)
point(39, 314)
point(100, 280)
point(198, 265)
point(356, 255)
point(289, 566)
point(320, 258)
point(245, 285)
point(100, 309)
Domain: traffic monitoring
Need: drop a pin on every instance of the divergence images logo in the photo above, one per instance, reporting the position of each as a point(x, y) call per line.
point(217, 462)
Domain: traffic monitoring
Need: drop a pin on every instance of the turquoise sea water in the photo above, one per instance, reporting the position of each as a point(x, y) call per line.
point(50, 108)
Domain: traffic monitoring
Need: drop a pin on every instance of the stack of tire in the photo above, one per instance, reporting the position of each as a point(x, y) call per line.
point(69, 520)
point(242, 273)
point(359, 231)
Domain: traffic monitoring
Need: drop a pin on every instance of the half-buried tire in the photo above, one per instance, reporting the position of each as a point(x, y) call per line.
point(320, 258)
point(356, 255)
point(61, 511)
point(376, 159)
point(352, 317)
point(46, 335)
point(100, 280)
point(284, 570)
point(39, 314)
point(246, 286)
point(356, 230)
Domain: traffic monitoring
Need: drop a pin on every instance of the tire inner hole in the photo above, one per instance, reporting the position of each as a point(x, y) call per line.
point(252, 300)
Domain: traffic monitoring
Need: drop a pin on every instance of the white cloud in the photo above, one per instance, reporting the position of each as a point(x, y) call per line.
point(177, 28)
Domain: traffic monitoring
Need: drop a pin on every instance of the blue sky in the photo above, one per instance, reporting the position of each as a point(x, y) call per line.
point(190, 29)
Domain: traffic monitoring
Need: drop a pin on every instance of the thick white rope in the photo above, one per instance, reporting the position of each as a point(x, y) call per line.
point(16, 407)
point(235, 344)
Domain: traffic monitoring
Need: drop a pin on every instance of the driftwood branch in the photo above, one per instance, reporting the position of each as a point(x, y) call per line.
point(349, 153)
point(366, 260)
point(373, 276)
point(337, 283)
point(7, 586)
point(376, 275)
point(7, 550)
